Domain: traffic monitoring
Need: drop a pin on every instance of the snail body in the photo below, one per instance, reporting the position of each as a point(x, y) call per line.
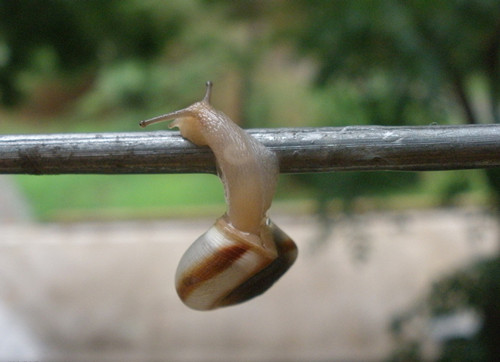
point(244, 252)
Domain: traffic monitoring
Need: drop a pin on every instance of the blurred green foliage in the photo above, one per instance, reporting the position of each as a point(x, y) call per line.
point(94, 66)
point(475, 288)
point(69, 35)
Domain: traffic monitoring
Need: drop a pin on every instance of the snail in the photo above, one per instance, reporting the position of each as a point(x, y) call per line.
point(244, 252)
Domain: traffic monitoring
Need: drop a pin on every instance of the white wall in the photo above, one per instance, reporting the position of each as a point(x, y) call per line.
point(105, 291)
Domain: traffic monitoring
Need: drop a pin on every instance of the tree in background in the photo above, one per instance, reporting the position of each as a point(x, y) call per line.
point(73, 36)
point(434, 58)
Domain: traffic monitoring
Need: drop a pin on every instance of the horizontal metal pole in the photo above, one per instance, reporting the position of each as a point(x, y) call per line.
point(298, 149)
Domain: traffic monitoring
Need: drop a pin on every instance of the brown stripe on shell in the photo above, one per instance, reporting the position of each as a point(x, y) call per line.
point(248, 240)
point(210, 268)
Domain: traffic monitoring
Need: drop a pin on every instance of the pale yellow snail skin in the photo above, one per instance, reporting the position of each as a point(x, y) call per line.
point(244, 252)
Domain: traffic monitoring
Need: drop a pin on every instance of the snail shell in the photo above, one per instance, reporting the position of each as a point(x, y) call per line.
point(244, 252)
point(225, 266)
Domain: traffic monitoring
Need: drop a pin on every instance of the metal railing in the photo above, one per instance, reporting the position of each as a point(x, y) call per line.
point(299, 150)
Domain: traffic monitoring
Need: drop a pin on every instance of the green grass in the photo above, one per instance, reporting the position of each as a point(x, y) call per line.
point(101, 196)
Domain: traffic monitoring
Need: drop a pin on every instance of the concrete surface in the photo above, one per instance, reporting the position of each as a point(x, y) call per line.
point(104, 291)
point(13, 204)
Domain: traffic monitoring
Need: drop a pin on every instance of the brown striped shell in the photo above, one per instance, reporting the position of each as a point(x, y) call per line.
point(244, 252)
point(225, 267)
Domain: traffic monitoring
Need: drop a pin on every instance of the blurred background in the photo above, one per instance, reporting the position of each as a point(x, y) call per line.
point(393, 265)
